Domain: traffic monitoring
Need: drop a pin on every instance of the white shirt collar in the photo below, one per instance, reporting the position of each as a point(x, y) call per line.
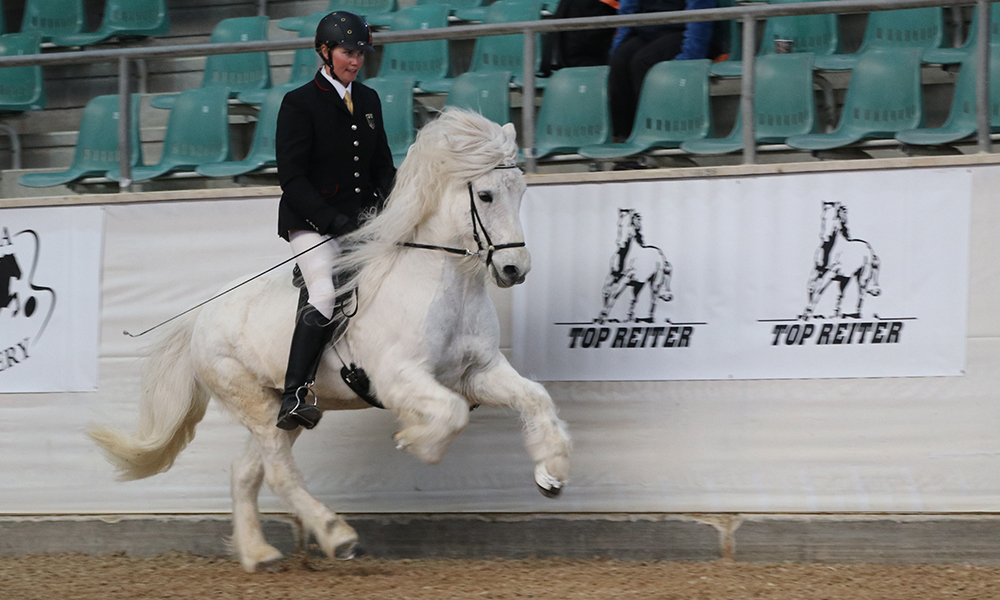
point(336, 84)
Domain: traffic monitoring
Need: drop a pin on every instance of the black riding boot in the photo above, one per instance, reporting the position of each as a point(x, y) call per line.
point(312, 333)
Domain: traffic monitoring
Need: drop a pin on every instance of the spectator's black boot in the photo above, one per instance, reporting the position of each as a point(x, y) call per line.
point(298, 402)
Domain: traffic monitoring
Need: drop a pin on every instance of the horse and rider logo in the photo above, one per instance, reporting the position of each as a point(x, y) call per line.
point(638, 268)
point(849, 264)
point(22, 301)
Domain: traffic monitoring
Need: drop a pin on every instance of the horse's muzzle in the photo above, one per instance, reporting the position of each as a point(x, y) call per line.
point(508, 275)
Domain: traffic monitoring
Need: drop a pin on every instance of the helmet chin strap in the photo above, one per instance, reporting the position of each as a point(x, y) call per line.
point(328, 62)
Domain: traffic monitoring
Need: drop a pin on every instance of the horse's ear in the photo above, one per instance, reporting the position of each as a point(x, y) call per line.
point(510, 131)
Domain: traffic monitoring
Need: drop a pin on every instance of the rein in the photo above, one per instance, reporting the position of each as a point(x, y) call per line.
point(477, 224)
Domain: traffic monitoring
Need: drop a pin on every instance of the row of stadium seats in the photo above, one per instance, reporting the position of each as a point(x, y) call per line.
point(247, 77)
point(198, 137)
point(819, 34)
point(883, 101)
point(62, 22)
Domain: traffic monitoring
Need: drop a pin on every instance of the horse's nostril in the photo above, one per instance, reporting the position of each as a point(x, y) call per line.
point(511, 271)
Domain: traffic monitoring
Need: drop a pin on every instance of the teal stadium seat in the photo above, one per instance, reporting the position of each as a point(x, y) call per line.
point(816, 34)
point(452, 6)
point(783, 105)
point(50, 18)
point(305, 62)
point(506, 52)
point(417, 61)
point(123, 18)
point(494, 53)
point(96, 149)
point(574, 111)
point(485, 93)
point(883, 98)
point(961, 122)
point(233, 72)
point(262, 152)
point(950, 56)
point(909, 28)
point(21, 88)
point(197, 134)
point(396, 95)
point(366, 8)
point(673, 107)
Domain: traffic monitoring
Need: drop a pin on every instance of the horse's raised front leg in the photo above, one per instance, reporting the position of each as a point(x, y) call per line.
point(545, 434)
point(431, 415)
point(257, 409)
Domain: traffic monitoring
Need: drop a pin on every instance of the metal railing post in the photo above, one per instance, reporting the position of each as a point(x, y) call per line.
point(124, 126)
point(528, 103)
point(747, 90)
point(983, 108)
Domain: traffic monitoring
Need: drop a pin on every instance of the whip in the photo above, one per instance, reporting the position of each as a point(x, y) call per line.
point(220, 294)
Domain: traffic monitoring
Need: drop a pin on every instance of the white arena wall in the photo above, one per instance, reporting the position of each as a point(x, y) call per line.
point(856, 450)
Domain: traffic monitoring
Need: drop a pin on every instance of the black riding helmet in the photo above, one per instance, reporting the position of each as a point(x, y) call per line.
point(342, 28)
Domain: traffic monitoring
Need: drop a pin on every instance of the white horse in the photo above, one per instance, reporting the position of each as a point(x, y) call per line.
point(636, 266)
point(841, 259)
point(425, 332)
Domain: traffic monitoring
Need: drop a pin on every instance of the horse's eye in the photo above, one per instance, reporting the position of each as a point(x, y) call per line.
point(486, 196)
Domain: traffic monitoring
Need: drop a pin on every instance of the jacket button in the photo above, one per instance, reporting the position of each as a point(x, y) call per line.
point(357, 174)
point(354, 127)
point(355, 142)
point(357, 190)
point(356, 159)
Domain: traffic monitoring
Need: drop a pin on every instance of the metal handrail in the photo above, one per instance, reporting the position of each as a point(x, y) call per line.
point(747, 14)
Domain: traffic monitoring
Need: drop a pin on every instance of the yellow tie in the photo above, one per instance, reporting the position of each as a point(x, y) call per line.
point(349, 102)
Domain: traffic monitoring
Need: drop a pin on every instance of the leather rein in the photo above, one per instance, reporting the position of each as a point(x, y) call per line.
point(477, 224)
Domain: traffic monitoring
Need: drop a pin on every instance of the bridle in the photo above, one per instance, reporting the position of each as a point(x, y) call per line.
point(477, 224)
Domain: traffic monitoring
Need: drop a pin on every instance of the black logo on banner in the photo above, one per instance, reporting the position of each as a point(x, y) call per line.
point(638, 268)
point(849, 264)
point(25, 306)
point(844, 274)
point(641, 273)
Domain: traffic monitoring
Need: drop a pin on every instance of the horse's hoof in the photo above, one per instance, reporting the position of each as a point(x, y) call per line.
point(346, 551)
point(549, 493)
point(549, 486)
point(270, 565)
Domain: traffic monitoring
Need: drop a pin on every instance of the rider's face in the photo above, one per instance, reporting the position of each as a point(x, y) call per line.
point(346, 63)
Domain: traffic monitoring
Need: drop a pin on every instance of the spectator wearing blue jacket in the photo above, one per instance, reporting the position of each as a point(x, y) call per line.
point(636, 49)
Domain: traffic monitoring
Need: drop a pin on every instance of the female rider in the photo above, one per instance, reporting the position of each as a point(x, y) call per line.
point(335, 168)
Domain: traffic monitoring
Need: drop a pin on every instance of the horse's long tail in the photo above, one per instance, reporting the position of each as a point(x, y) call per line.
point(172, 403)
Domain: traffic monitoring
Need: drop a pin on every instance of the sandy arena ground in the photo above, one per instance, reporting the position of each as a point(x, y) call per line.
point(182, 576)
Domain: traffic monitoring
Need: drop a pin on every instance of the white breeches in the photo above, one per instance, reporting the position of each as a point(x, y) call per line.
point(317, 267)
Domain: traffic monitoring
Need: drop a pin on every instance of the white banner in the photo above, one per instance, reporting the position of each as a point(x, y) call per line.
point(861, 274)
point(50, 276)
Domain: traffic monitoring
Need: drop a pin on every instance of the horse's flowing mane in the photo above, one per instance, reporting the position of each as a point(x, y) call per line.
point(458, 146)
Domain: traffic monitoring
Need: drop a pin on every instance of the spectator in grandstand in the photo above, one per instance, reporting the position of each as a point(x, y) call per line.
point(581, 48)
point(635, 50)
point(335, 169)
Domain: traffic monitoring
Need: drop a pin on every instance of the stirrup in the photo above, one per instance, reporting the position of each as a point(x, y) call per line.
point(300, 412)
